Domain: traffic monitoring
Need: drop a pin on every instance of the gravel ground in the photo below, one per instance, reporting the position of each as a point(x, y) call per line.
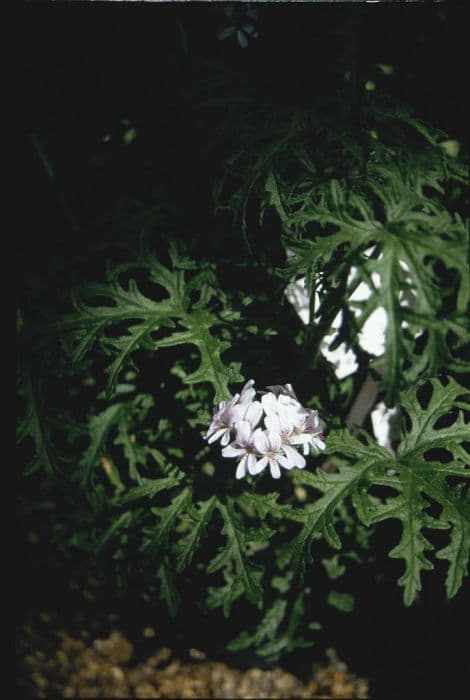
point(56, 662)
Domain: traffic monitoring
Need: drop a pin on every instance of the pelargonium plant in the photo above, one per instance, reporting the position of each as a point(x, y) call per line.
point(143, 361)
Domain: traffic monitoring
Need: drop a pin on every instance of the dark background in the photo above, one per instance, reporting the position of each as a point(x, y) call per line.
point(80, 70)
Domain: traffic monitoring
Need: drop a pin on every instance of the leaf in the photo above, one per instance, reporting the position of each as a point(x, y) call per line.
point(99, 427)
point(147, 489)
point(419, 482)
point(266, 504)
point(225, 596)
point(457, 551)
point(120, 523)
point(319, 515)
point(33, 425)
point(138, 317)
point(168, 591)
point(266, 630)
point(368, 186)
point(167, 519)
point(333, 568)
point(274, 197)
point(341, 601)
point(235, 551)
point(199, 520)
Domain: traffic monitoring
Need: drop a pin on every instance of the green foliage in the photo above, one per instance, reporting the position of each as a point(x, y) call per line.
point(368, 207)
point(277, 631)
point(33, 425)
point(234, 552)
point(142, 317)
point(418, 481)
point(341, 601)
point(139, 362)
point(199, 518)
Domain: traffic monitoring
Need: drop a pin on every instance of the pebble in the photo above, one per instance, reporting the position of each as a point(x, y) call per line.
point(77, 668)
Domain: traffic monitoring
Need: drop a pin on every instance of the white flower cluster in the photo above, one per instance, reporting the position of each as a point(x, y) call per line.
point(286, 424)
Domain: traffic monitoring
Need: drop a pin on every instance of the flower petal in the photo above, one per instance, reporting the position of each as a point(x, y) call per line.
point(212, 427)
point(248, 393)
point(243, 432)
point(254, 413)
point(251, 463)
point(241, 469)
point(318, 443)
point(275, 440)
point(272, 423)
point(233, 400)
point(270, 403)
point(236, 413)
point(284, 462)
point(231, 451)
point(260, 440)
point(217, 435)
point(294, 457)
point(259, 466)
point(275, 471)
point(225, 437)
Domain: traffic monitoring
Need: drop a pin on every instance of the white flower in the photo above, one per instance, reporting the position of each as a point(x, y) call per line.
point(274, 453)
point(224, 420)
point(286, 422)
point(273, 404)
point(240, 407)
point(309, 432)
point(295, 424)
point(243, 447)
point(248, 393)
